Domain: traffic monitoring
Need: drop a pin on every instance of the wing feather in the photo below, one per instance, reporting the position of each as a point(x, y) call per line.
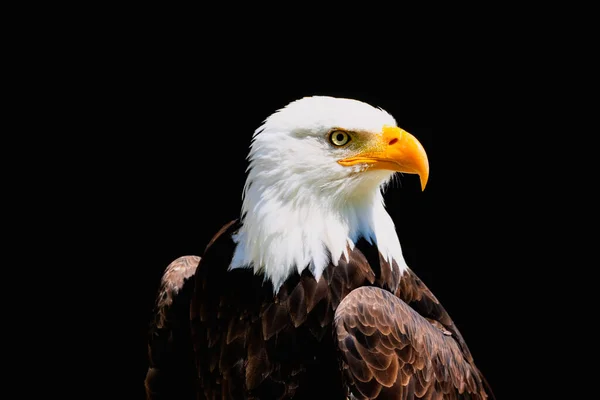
point(424, 361)
point(171, 366)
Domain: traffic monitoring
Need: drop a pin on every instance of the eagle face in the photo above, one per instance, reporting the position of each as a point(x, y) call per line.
point(337, 147)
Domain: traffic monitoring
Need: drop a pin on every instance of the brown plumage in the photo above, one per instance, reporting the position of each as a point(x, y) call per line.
point(391, 352)
point(358, 331)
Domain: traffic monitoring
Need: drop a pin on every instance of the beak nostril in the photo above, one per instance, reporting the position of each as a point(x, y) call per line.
point(394, 140)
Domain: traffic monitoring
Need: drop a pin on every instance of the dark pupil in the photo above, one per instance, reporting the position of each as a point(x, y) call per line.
point(339, 137)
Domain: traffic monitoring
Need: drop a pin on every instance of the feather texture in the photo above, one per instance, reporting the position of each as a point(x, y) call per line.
point(343, 334)
point(390, 351)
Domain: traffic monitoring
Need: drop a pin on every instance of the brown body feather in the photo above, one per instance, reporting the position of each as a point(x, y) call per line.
point(361, 330)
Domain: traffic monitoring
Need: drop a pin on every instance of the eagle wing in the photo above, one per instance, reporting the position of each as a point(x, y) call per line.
point(171, 370)
point(392, 351)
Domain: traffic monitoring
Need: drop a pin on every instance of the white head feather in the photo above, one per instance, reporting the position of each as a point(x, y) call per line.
point(300, 207)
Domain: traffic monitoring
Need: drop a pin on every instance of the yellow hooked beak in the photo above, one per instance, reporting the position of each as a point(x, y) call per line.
point(394, 150)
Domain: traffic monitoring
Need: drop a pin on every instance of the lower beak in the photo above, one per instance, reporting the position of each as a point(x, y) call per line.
point(395, 150)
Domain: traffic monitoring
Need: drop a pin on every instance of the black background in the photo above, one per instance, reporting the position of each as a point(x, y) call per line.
point(138, 120)
point(173, 126)
point(184, 177)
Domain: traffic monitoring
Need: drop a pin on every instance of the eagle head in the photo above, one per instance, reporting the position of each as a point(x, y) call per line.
point(315, 172)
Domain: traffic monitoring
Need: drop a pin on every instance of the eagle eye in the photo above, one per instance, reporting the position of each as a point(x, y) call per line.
point(339, 138)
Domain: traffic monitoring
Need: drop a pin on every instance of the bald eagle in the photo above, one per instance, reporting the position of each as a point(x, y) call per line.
point(307, 294)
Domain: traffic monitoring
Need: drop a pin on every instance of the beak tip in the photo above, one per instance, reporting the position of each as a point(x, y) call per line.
point(424, 177)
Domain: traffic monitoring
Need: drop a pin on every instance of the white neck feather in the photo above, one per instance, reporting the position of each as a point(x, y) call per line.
point(279, 237)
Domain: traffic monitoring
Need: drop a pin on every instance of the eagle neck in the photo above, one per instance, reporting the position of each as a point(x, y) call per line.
point(279, 237)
